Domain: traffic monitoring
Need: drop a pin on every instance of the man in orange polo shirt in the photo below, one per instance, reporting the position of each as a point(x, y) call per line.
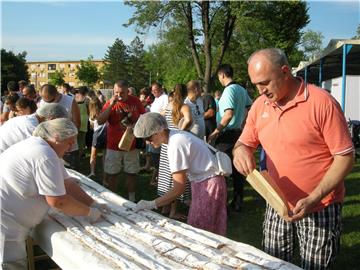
point(308, 153)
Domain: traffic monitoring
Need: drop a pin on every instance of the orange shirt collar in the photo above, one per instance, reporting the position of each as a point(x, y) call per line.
point(301, 96)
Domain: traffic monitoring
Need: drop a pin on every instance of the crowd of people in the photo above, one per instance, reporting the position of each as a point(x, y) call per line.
point(301, 128)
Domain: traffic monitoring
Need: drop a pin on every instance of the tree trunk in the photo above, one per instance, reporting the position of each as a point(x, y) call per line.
point(207, 45)
point(189, 19)
point(227, 33)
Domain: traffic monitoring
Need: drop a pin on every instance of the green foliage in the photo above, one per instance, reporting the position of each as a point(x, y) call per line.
point(56, 78)
point(126, 63)
point(13, 67)
point(116, 59)
point(311, 44)
point(235, 29)
point(196, 19)
point(170, 61)
point(266, 24)
point(87, 72)
point(137, 73)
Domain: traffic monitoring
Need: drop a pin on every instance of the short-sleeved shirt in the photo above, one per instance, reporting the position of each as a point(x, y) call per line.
point(197, 113)
point(159, 104)
point(66, 101)
point(237, 99)
point(300, 141)
point(131, 107)
point(29, 171)
point(188, 152)
point(17, 129)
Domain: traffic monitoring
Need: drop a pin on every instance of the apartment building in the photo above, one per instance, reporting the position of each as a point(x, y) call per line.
point(40, 72)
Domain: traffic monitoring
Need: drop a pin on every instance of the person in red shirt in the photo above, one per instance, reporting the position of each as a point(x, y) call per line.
point(121, 111)
point(308, 154)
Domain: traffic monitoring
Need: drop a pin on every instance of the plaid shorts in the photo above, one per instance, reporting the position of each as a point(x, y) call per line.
point(318, 235)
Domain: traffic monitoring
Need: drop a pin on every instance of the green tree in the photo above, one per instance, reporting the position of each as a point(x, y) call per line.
point(56, 78)
point(262, 30)
point(170, 61)
point(87, 72)
point(215, 31)
point(13, 67)
point(311, 44)
point(198, 18)
point(137, 73)
point(116, 60)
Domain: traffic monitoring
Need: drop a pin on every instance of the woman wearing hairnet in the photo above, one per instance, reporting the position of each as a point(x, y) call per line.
point(33, 179)
point(189, 158)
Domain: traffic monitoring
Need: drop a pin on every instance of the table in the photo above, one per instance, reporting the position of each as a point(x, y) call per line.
point(143, 240)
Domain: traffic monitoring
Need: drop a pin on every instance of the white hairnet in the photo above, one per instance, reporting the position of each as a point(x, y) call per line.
point(148, 124)
point(60, 128)
point(52, 111)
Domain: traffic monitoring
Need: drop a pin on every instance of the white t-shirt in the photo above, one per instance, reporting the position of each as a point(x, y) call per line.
point(29, 171)
point(187, 152)
point(66, 101)
point(17, 129)
point(159, 103)
point(197, 112)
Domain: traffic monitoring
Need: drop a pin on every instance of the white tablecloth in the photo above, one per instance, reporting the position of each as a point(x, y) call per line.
point(70, 252)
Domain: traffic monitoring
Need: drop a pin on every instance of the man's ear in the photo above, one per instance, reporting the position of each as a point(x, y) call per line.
point(285, 69)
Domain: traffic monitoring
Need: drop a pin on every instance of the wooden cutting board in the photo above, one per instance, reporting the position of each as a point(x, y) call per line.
point(127, 140)
point(267, 188)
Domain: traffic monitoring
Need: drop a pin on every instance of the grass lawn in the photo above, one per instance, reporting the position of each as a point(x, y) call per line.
point(246, 227)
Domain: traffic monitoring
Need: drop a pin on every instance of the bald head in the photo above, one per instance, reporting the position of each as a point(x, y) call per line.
point(270, 72)
point(48, 93)
point(275, 56)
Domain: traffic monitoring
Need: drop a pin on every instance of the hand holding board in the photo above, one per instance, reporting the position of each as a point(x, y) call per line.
point(267, 188)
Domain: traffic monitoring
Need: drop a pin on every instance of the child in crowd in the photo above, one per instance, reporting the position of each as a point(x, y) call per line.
point(99, 136)
point(25, 106)
point(10, 102)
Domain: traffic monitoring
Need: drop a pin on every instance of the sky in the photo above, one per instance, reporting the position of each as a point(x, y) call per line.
point(69, 30)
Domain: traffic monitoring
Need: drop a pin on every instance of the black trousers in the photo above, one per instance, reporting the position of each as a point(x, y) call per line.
point(225, 143)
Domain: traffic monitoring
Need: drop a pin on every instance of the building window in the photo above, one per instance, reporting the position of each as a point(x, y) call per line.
point(51, 66)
